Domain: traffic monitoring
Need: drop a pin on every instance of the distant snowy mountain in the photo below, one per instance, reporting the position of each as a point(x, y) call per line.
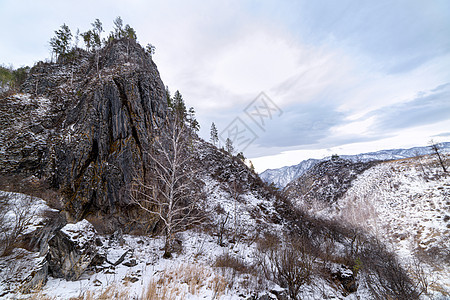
point(283, 176)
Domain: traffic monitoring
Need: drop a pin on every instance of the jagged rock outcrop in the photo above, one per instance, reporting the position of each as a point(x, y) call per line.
point(72, 250)
point(85, 124)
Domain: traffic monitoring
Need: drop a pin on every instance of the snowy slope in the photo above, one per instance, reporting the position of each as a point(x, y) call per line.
point(283, 176)
point(193, 273)
point(405, 204)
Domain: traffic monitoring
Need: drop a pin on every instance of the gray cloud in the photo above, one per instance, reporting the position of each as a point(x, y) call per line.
point(426, 108)
point(443, 134)
point(398, 35)
point(301, 124)
point(347, 51)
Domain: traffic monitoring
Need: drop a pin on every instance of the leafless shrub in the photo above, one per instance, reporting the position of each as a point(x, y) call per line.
point(235, 263)
point(289, 265)
point(15, 215)
point(31, 186)
point(436, 150)
point(268, 241)
point(221, 228)
point(422, 280)
point(293, 267)
point(385, 277)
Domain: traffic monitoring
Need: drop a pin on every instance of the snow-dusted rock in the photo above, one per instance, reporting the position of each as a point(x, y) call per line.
point(37, 277)
point(72, 250)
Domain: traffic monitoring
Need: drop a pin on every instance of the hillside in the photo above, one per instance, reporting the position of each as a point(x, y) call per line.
point(325, 183)
point(404, 203)
point(283, 176)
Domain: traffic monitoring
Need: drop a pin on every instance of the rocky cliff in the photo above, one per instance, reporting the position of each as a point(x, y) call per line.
point(84, 125)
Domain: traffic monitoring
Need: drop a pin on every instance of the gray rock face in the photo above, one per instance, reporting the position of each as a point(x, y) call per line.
point(37, 277)
point(72, 250)
point(85, 126)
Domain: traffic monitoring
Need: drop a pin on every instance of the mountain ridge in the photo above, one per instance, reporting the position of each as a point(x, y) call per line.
point(281, 177)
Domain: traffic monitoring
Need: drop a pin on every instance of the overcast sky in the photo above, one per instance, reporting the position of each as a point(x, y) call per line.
point(338, 77)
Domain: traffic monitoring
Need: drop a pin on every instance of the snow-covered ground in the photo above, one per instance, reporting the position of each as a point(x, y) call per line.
point(397, 201)
point(405, 204)
point(135, 267)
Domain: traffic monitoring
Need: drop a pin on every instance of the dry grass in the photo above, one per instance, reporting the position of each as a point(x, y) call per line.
point(157, 292)
point(176, 283)
point(110, 292)
point(235, 263)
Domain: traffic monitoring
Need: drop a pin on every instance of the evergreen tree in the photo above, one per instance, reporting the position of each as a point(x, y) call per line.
point(130, 32)
point(150, 49)
point(61, 42)
point(121, 31)
point(241, 156)
point(96, 33)
point(87, 38)
point(229, 146)
point(179, 106)
point(193, 123)
point(77, 37)
point(214, 135)
point(252, 167)
point(169, 99)
point(118, 28)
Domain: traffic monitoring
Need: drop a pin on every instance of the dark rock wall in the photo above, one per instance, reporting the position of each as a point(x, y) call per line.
point(96, 127)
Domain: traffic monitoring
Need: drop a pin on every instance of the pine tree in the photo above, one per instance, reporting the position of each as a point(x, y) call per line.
point(229, 146)
point(121, 31)
point(130, 32)
point(118, 28)
point(252, 167)
point(77, 37)
point(150, 49)
point(96, 33)
point(214, 135)
point(241, 156)
point(179, 106)
point(61, 42)
point(87, 38)
point(193, 123)
point(169, 99)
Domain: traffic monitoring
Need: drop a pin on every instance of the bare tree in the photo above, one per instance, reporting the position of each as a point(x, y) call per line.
point(15, 216)
point(419, 158)
point(436, 149)
point(172, 192)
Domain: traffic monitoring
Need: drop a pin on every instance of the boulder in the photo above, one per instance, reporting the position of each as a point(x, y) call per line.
point(345, 276)
point(72, 250)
